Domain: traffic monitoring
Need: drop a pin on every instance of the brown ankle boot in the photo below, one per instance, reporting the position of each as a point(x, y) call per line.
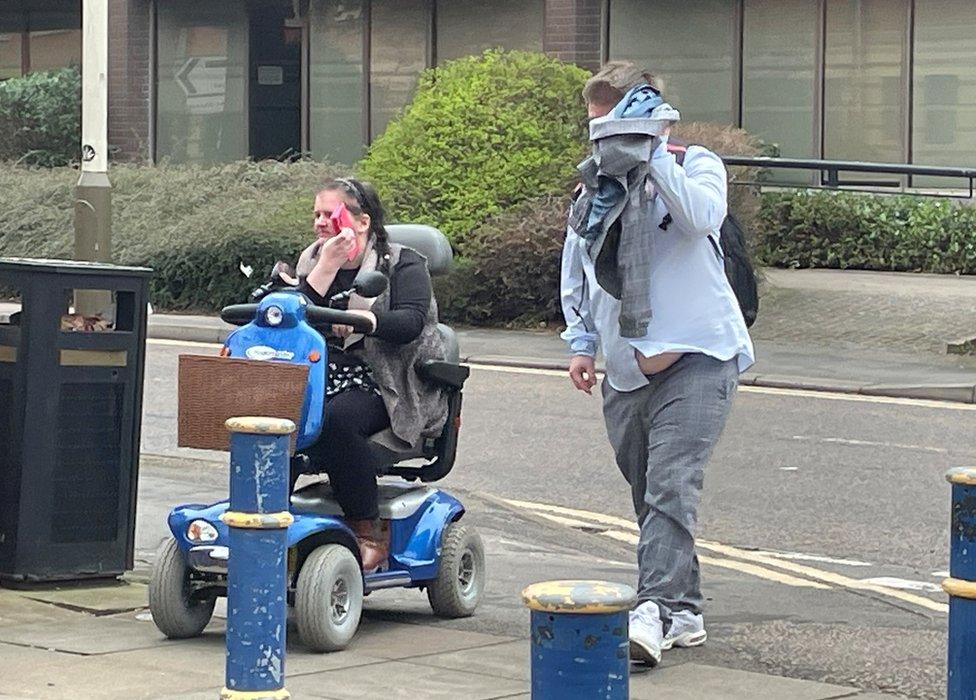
point(373, 538)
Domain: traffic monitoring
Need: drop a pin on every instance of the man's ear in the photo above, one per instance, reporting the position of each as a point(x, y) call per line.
point(365, 221)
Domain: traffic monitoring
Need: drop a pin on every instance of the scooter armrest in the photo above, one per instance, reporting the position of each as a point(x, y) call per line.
point(444, 373)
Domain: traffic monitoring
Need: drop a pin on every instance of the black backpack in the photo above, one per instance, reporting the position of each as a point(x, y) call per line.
point(734, 253)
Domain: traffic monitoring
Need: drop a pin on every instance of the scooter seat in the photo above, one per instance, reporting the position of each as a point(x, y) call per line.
point(397, 500)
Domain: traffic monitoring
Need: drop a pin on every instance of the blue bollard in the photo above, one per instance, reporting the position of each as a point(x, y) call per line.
point(258, 518)
point(580, 639)
point(961, 586)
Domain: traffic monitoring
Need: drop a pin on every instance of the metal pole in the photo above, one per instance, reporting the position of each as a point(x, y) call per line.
point(961, 586)
point(93, 193)
point(580, 639)
point(258, 518)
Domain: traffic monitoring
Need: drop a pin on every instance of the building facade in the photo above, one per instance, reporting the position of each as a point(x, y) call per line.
point(192, 81)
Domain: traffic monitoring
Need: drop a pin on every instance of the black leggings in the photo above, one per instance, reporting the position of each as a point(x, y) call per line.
point(343, 451)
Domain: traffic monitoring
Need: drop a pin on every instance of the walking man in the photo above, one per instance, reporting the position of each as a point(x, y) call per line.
point(643, 280)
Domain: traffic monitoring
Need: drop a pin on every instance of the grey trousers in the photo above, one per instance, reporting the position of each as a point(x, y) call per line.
point(663, 435)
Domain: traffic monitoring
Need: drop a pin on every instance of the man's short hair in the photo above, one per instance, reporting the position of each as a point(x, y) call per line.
point(613, 80)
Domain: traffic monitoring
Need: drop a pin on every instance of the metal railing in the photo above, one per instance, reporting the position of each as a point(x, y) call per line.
point(830, 174)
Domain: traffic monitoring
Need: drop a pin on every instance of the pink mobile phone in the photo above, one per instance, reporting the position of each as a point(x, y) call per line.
point(341, 218)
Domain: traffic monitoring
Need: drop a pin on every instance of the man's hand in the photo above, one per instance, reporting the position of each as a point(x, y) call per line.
point(582, 372)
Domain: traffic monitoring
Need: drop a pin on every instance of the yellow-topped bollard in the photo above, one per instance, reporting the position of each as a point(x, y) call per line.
point(257, 587)
point(580, 639)
point(961, 584)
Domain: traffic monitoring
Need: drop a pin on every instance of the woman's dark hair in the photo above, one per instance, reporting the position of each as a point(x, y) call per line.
point(361, 198)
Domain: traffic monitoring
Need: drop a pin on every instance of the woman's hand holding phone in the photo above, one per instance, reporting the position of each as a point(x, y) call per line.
point(341, 219)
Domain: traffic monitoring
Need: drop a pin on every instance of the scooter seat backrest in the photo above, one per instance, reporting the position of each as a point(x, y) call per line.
point(427, 241)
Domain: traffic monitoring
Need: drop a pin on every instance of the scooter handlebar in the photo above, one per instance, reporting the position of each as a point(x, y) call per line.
point(238, 314)
point(320, 318)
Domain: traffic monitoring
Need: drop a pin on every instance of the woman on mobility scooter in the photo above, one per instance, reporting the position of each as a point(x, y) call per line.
point(372, 382)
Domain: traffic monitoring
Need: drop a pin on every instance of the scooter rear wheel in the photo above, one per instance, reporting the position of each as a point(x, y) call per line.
point(176, 613)
point(329, 598)
point(460, 581)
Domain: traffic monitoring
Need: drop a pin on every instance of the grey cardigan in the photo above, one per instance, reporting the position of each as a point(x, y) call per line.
point(417, 408)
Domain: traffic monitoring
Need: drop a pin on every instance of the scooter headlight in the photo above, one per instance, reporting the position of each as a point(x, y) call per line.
point(273, 316)
point(201, 531)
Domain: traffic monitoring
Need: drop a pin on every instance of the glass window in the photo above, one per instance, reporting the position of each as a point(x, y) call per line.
point(945, 83)
point(10, 58)
point(336, 80)
point(864, 90)
point(398, 53)
point(688, 44)
point(202, 81)
point(469, 27)
point(55, 48)
point(779, 55)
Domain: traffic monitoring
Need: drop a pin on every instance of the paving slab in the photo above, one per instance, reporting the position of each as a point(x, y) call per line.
point(15, 610)
point(392, 640)
point(107, 598)
point(209, 652)
point(52, 675)
point(690, 681)
point(509, 660)
point(396, 679)
point(83, 634)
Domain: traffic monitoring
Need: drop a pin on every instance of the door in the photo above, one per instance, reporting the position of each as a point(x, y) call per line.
point(275, 82)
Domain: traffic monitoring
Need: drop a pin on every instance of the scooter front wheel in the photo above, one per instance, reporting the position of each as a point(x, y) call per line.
point(175, 611)
point(460, 581)
point(329, 598)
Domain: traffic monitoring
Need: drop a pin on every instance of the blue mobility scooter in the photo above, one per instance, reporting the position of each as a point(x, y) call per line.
point(429, 548)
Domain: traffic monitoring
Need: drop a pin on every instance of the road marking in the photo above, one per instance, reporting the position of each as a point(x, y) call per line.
point(869, 443)
point(905, 584)
point(751, 569)
point(825, 576)
point(797, 556)
point(754, 557)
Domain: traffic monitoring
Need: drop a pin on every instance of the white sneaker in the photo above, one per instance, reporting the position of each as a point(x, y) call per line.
point(646, 634)
point(687, 630)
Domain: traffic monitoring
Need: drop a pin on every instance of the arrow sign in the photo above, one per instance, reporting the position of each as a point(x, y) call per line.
point(204, 82)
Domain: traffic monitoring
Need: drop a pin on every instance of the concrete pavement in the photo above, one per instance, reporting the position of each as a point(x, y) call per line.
point(98, 641)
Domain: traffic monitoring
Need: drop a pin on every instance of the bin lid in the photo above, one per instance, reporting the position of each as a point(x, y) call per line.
point(71, 267)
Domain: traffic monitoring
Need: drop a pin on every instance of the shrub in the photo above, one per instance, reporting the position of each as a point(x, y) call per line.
point(868, 232)
point(205, 274)
point(482, 133)
point(510, 271)
point(40, 117)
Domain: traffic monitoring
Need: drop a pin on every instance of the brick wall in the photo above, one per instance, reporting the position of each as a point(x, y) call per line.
point(573, 31)
point(128, 79)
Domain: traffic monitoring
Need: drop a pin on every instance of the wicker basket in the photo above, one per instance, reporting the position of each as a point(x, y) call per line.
point(213, 389)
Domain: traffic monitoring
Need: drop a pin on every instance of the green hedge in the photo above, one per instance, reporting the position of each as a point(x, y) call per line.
point(867, 232)
point(40, 118)
point(194, 225)
point(482, 134)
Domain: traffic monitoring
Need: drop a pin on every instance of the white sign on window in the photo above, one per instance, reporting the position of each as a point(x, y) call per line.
point(271, 75)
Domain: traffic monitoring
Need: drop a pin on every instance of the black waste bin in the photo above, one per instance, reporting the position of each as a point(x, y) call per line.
point(70, 416)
